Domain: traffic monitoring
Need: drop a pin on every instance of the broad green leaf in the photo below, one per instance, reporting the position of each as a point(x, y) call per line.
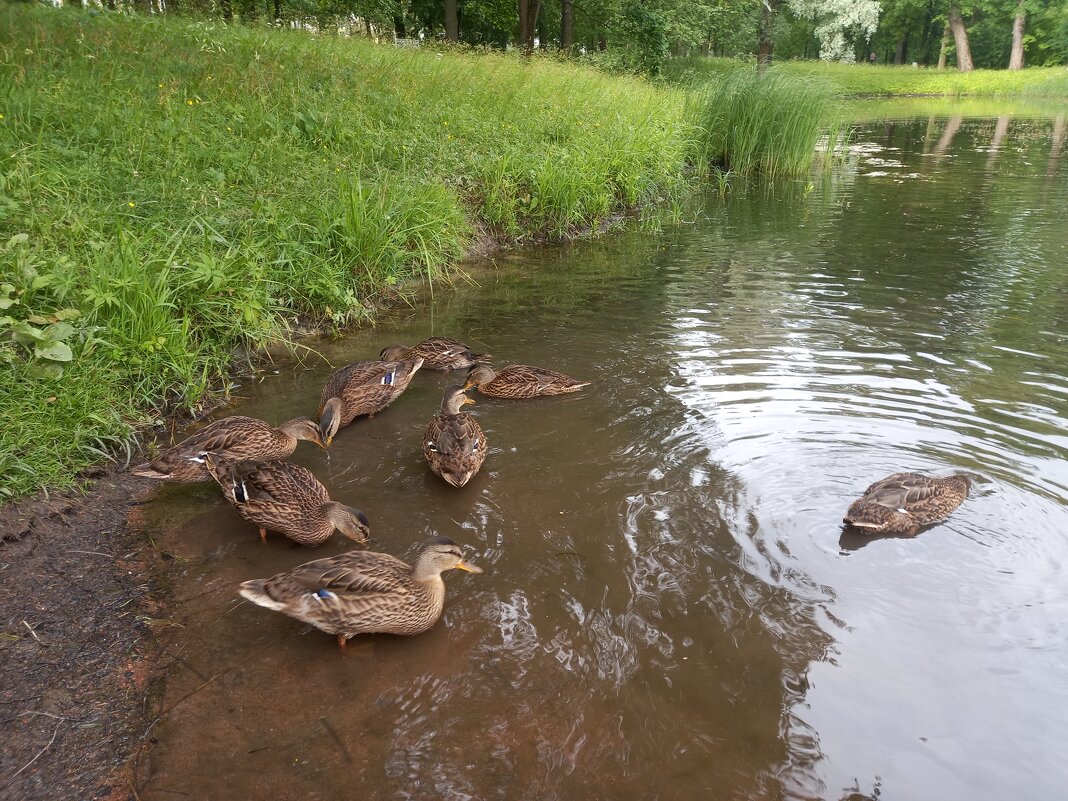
point(54, 351)
point(59, 331)
point(41, 281)
point(44, 370)
point(67, 314)
point(18, 239)
point(26, 333)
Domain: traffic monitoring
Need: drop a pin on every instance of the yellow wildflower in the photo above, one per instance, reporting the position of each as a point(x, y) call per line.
point(131, 204)
point(189, 102)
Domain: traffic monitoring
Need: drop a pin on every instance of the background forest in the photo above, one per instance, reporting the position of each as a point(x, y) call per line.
point(641, 34)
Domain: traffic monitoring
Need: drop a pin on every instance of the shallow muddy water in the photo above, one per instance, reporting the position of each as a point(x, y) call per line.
point(670, 608)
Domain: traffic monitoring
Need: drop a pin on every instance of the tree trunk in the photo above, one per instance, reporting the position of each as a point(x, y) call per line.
point(765, 37)
point(227, 9)
point(528, 22)
point(944, 141)
point(902, 52)
point(398, 25)
point(1059, 128)
point(942, 50)
point(1016, 60)
point(1000, 131)
point(960, 38)
point(452, 22)
point(277, 10)
point(567, 34)
point(543, 37)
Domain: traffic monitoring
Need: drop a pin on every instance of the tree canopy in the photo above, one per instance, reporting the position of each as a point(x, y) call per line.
point(640, 34)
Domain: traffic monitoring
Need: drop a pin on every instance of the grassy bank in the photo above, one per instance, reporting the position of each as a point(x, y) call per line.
point(866, 80)
point(175, 192)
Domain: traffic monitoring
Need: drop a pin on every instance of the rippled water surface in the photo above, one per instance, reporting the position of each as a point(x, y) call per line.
point(670, 609)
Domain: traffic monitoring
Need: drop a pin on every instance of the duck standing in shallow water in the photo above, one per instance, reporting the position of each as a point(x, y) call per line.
point(520, 381)
point(234, 439)
point(288, 499)
point(904, 502)
point(363, 592)
point(437, 353)
point(454, 444)
point(362, 388)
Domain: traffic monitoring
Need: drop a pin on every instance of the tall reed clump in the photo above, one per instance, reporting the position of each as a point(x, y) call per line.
point(761, 123)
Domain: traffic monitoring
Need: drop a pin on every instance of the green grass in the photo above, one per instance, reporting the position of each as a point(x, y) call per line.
point(190, 190)
point(851, 80)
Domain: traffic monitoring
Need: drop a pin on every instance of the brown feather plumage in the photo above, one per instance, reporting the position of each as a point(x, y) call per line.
point(234, 439)
point(904, 502)
point(521, 381)
point(362, 592)
point(283, 497)
point(364, 388)
point(437, 353)
point(454, 444)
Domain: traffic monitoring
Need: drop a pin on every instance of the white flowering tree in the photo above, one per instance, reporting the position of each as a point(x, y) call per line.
point(838, 22)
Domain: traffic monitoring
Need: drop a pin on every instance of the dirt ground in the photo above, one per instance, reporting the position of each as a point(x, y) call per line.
point(78, 665)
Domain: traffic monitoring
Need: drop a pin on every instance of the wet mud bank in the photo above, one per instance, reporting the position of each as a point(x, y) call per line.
point(79, 590)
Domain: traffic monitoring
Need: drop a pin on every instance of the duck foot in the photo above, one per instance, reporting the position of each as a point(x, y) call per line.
point(263, 534)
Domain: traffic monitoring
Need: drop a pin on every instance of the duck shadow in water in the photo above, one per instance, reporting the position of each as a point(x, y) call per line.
point(853, 539)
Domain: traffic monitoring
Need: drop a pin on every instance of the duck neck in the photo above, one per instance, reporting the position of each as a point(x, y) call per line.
point(452, 405)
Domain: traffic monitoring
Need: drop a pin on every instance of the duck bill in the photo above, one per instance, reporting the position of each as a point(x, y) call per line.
point(467, 386)
point(468, 400)
point(470, 568)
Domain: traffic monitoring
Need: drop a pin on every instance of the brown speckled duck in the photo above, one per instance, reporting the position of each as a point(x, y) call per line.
point(520, 381)
point(454, 445)
point(233, 438)
point(903, 502)
point(363, 592)
point(437, 353)
point(362, 388)
point(286, 498)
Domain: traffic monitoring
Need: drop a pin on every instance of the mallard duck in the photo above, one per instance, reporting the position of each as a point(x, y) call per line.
point(454, 445)
point(903, 502)
point(233, 438)
point(363, 592)
point(520, 381)
point(362, 388)
point(437, 353)
point(285, 498)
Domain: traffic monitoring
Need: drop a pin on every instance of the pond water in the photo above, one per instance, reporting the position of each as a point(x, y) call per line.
point(670, 608)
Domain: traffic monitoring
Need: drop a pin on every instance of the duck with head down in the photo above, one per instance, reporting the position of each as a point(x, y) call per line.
point(454, 444)
point(521, 381)
point(437, 353)
point(286, 498)
point(233, 439)
point(904, 502)
point(362, 388)
point(363, 592)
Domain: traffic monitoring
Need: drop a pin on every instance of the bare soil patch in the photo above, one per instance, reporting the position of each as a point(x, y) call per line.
point(77, 653)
